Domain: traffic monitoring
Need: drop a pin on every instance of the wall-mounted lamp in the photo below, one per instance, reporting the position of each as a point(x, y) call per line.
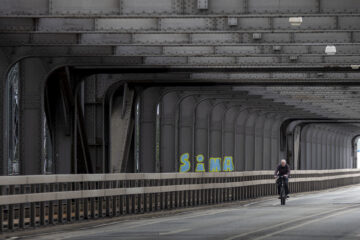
point(330, 50)
point(295, 21)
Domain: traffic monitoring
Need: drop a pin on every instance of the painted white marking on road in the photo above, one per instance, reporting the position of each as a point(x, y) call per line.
point(82, 232)
point(280, 224)
point(301, 225)
point(176, 231)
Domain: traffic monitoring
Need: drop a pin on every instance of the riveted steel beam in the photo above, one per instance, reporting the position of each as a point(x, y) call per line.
point(47, 23)
point(166, 7)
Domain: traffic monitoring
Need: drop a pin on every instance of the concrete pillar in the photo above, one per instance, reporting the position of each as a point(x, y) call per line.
point(349, 151)
point(313, 148)
point(328, 148)
point(229, 131)
point(318, 148)
point(308, 156)
point(201, 130)
point(149, 99)
point(275, 142)
point(267, 143)
point(121, 129)
point(240, 140)
point(250, 142)
point(216, 118)
point(32, 76)
point(185, 128)
point(167, 126)
point(4, 65)
point(323, 149)
point(341, 151)
point(334, 150)
point(337, 150)
point(259, 141)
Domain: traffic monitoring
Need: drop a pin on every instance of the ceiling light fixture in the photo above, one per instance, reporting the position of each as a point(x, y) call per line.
point(295, 21)
point(330, 50)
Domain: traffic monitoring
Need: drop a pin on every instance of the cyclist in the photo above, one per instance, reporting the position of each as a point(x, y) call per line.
point(283, 169)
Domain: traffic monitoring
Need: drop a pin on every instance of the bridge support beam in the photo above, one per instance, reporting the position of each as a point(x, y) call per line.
point(32, 75)
point(3, 77)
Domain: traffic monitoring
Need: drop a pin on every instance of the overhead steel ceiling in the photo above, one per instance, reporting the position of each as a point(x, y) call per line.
point(206, 34)
point(186, 32)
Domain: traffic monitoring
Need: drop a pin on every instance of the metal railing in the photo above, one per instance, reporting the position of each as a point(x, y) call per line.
point(40, 200)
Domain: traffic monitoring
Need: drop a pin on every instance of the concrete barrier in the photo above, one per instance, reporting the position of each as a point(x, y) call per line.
point(41, 200)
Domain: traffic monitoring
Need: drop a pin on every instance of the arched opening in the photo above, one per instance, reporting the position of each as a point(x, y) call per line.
point(358, 153)
point(12, 121)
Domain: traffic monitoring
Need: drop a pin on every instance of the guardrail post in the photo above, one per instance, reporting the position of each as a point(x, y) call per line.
point(221, 191)
point(21, 210)
point(51, 206)
point(1, 218)
point(32, 209)
point(69, 205)
point(185, 194)
point(114, 211)
point(203, 192)
point(77, 203)
point(100, 201)
point(146, 197)
point(141, 198)
point(92, 207)
point(133, 198)
point(11, 210)
point(107, 200)
point(121, 205)
point(127, 204)
point(162, 195)
point(172, 195)
point(42, 207)
point(133, 204)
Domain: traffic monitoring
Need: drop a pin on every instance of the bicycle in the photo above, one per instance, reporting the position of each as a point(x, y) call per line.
point(282, 190)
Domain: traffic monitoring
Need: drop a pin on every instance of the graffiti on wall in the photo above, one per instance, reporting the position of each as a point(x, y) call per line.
point(216, 164)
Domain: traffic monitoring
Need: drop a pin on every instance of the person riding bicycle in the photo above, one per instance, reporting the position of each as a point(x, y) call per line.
point(283, 170)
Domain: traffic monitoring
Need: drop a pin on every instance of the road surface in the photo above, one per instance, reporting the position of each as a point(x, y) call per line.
point(321, 215)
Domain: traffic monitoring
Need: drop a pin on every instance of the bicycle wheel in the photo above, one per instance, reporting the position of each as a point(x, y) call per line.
point(282, 196)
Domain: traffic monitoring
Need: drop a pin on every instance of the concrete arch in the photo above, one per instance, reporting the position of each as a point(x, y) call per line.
point(328, 150)
point(318, 139)
point(239, 156)
point(324, 137)
point(250, 141)
point(229, 131)
point(259, 140)
point(201, 133)
point(185, 126)
point(147, 129)
point(303, 143)
point(216, 130)
point(275, 141)
point(167, 131)
point(337, 150)
point(313, 151)
point(308, 155)
point(267, 132)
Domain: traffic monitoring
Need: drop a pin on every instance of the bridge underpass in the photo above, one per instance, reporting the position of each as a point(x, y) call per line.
point(136, 106)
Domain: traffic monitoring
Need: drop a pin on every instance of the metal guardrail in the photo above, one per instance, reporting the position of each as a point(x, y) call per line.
point(40, 200)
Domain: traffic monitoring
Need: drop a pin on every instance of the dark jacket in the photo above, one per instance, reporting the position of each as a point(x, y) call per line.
point(281, 171)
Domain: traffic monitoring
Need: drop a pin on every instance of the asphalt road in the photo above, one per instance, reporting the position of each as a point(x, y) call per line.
point(321, 215)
